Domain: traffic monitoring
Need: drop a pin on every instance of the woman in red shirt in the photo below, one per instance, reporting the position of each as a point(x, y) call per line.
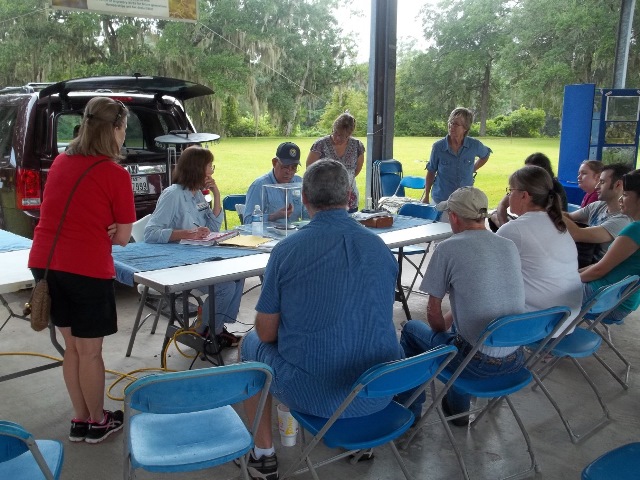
point(81, 273)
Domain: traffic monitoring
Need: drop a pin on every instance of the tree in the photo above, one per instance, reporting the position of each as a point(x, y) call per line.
point(555, 44)
point(468, 37)
point(342, 100)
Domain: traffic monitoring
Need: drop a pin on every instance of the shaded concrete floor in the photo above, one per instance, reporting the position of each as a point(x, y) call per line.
point(39, 402)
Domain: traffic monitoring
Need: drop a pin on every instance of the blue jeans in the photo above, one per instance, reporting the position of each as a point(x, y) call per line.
point(417, 337)
point(228, 297)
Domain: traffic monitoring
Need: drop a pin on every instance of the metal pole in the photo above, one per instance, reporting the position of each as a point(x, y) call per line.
point(622, 43)
point(382, 84)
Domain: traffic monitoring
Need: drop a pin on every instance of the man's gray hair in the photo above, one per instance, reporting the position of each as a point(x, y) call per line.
point(326, 185)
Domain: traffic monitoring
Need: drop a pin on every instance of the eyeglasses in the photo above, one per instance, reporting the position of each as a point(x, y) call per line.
point(454, 124)
point(291, 168)
point(121, 110)
point(509, 190)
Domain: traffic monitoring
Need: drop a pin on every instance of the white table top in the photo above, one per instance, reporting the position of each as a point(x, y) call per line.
point(177, 279)
point(14, 274)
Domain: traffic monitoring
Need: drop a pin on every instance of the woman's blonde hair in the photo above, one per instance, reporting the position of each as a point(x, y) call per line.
point(346, 122)
point(96, 136)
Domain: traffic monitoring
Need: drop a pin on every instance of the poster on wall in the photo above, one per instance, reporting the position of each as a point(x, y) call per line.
point(183, 10)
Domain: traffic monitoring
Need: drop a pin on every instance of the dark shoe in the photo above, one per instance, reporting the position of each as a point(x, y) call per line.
point(79, 429)
point(230, 338)
point(264, 468)
point(458, 422)
point(99, 431)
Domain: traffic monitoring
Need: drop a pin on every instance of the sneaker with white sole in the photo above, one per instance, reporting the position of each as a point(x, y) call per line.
point(111, 423)
point(263, 468)
point(79, 429)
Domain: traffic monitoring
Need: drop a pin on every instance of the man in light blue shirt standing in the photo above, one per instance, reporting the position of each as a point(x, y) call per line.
point(285, 165)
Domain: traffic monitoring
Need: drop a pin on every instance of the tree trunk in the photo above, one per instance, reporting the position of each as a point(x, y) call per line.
point(292, 121)
point(484, 99)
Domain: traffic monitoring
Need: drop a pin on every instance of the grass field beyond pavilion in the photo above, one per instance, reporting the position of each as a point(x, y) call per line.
point(241, 160)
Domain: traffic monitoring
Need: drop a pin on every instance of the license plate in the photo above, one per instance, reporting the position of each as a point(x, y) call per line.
point(140, 184)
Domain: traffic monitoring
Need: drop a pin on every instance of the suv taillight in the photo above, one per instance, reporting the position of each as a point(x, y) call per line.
point(28, 189)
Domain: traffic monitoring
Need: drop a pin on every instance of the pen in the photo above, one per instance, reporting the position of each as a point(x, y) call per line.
point(196, 224)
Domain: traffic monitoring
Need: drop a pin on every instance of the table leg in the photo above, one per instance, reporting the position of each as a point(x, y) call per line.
point(136, 324)
point(54, 341)
point(400, 296)
point(199, 343)
point(212, 321)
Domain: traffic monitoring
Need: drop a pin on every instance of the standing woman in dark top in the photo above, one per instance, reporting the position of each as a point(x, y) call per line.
point(341, 146)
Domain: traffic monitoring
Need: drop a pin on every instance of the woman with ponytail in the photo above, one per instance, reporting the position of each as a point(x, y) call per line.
point(547, 252)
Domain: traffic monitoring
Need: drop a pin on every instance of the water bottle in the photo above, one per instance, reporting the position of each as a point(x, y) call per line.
point(256, 221)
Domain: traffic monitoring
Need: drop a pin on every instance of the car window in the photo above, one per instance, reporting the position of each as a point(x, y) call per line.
point(7, 122)
point(135, 138)
point(67, 129)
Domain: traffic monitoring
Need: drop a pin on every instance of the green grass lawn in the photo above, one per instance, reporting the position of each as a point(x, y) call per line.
point(239, 161)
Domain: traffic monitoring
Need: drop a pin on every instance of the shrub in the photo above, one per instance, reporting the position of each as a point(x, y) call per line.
point(246, 127)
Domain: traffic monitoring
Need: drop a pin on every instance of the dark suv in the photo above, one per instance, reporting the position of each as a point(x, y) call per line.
point(37, 123)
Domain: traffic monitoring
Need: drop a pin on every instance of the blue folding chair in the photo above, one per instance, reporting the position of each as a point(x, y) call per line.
point(583, 343)
point(229, 204)
point(413, 183)
point(605, 333)
point(185, 420)
point(507, 331)
point(622, 463)
point(24, 458)
point(379, 428)
point(386, 178)
point(418, 210)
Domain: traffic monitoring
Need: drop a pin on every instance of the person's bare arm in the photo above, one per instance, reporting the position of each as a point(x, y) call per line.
point(195, 233)
point(122, 234)
point(571, 216)
point(267, 326)
point(312, 157)
point(428, 183)
point(480, 163)
point(359, 163)
point(501, 210)
point(587, 234)
point(621, 249)
point(210, 183)
point(435, 317)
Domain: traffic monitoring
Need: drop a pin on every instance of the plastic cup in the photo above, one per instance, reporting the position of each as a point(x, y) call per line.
point(287, 425)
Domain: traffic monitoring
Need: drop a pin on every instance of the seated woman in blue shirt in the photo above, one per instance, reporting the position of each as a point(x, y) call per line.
point(183, 212)
point(623, 256)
